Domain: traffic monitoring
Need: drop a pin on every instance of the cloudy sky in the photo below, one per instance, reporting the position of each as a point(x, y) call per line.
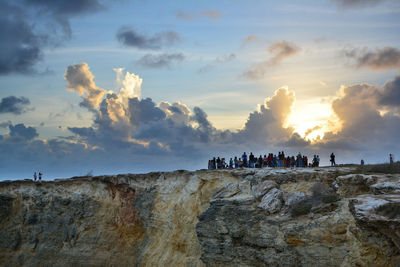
point(102, 87)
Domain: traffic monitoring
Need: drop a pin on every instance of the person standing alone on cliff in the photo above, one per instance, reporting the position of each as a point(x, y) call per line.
point(333, 163)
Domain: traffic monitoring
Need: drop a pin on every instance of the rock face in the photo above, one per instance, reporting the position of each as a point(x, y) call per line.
point(249, 217)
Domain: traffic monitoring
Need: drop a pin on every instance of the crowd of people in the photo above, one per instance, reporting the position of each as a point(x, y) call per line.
point(272, 161)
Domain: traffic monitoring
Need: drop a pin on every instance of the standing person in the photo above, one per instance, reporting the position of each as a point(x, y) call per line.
point(231, 163)
point(333, 163)
point(265, 162)
point(40, 176)
point(251, 160)
point(362, 162)
point(34, 176)
point(244, 159)
point(318, 160)
point(214, 163)
point(391, 158)
point(236, 162)
point(219, 163)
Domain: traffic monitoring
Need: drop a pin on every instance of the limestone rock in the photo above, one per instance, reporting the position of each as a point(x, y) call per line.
point(272, 201)
point(293, 198)
point(228, 190)
point(202, 218)
point(259, 190)
point(354, 184)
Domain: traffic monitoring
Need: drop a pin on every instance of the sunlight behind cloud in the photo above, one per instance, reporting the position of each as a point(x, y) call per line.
point(312, 119)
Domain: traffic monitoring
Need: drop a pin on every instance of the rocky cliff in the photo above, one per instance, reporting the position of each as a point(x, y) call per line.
point(263, 217)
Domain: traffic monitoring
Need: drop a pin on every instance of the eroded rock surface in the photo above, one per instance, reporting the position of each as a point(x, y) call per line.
point(249, 217)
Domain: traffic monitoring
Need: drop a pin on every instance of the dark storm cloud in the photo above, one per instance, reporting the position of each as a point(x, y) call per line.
point(279, 51)
point(21, 131)
point(129, 37)
point(160, 61)
point(20, 46)
point(27, 27)
point(61, 11)
point(14, 105)
point(379, 59)
point(356, 3)
point(64, 8)
point(144, 111)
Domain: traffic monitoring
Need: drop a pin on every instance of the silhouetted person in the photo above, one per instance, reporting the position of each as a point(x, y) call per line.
point(333, 163)
point(251, 160)
point(236, 161)
point(40, 176)
point(362, 162)
point(391, 158)
point(34, 177)
point(219, 163)
point(244, 159)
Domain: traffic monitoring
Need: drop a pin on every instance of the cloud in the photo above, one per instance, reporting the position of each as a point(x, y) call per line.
point(356, 3)
point(380, 59)
point(279, 51)
point(364, 126)
point(225, 58)
point(212, 14)
point(129, 37)
point(267, 125)
point(130, 85)
point(14, 105)
point(209, 14)
point(131, 133)
point(282, 50)
point(217, 60)
point(249, 39)
point(160, 61)
point(20, 131)
point(80, 79)
point(5, 124)
point(390, 95)
point(28, 26)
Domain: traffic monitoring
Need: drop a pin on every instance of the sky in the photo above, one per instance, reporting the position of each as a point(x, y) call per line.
point(132, 86)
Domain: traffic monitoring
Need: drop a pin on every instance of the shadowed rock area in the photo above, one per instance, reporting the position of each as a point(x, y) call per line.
point(249, 217)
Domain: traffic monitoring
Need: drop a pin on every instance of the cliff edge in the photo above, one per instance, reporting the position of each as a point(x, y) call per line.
point(246, 217)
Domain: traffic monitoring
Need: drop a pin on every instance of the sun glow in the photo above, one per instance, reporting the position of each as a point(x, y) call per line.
point(313, 119)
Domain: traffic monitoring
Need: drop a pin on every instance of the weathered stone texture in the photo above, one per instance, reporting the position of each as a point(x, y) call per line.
point(249, 217)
